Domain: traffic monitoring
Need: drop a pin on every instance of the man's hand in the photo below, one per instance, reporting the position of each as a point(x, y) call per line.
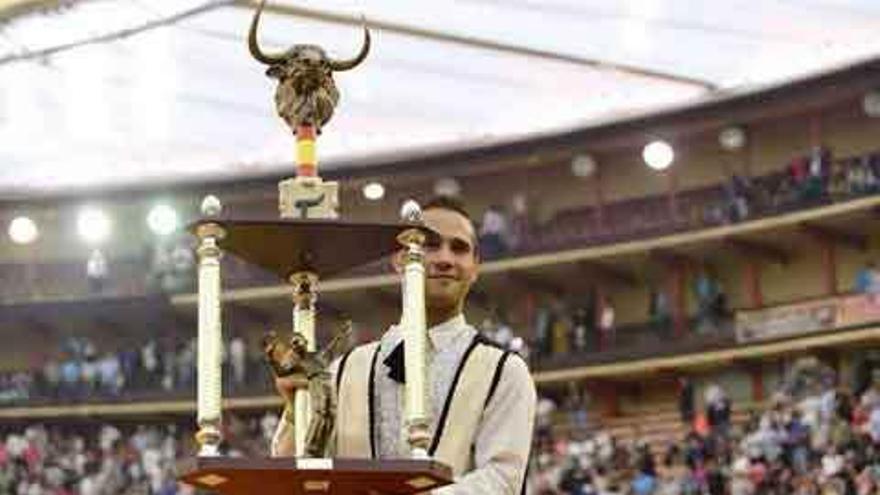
point(282, 442)
point(287, 385)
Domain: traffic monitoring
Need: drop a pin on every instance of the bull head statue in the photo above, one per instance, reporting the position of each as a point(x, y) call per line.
point(306, 92)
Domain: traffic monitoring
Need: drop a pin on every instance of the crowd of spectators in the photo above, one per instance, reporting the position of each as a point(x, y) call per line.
point(93, 460)
point(809, 179)
point(154, 367)
point(813, 438)
point(172, 266)
point(588, 323)
point(814, 178)
point(577, 325)
point(115, 459)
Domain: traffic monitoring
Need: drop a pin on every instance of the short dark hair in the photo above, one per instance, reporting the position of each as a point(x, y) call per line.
point(447, 203)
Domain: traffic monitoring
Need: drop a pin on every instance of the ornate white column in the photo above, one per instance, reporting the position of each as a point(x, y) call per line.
point(416, 408)
point(304, 296)
point(210, 334)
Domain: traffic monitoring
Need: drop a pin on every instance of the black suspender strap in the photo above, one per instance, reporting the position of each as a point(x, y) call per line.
point(341, 369)
point(496, 377)
point(371, 403)
point(448, 403)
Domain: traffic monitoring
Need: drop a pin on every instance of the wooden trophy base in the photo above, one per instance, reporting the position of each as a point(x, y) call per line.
point(289, 476)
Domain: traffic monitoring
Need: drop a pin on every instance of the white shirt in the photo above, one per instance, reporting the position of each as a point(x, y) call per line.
point(607, 320)
point(96, 267)
point(448, 343)
point(874, 424)
point(237, 351)
point(504, 335)
point(109, 370)
point(505, 435)
point(545, 411)
point(493, 223)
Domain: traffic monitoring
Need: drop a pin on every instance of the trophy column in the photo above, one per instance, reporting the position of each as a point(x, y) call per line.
point(416, 420)
point(304, 297)
point(210, 338)
point(306, 196)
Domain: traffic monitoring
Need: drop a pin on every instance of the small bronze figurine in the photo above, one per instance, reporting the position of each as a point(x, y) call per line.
point(293, 357)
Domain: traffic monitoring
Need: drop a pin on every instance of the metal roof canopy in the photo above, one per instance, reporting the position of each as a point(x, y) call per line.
point(111, 93)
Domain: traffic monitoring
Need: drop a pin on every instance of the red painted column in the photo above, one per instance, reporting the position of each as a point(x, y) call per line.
point(757, 376)
point(529, 313)
point(672, 193)
point(599, 201)
point(834, 359)
point(752, 281)
point(31, 278)
point(678, 297)
point(829, 267)
point(600, 308)
point(749, 157)
point(611, 401)
point(815, 130)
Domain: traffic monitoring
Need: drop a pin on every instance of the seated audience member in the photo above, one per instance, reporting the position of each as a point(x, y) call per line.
point(494, 232)
point(868, 279)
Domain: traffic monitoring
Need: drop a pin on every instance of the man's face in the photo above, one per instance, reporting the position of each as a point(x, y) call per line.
point(451, 260)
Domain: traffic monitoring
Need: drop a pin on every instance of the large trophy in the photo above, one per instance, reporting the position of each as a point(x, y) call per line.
point(306, 245)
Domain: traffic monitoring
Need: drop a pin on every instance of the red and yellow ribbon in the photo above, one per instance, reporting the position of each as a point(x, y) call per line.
point(306, 152)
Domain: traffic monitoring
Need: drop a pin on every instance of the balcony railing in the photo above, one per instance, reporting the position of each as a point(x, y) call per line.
point(641, 218)
point(630, 343)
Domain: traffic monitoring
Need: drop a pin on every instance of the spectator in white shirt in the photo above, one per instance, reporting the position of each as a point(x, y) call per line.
point(493, 234)
point(96, 271)
point(238, 360)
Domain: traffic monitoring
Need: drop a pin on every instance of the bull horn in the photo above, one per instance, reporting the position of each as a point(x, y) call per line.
point(254, 46)
point(340, 65)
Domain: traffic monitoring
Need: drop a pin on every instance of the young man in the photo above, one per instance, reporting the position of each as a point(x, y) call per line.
point(482, 398)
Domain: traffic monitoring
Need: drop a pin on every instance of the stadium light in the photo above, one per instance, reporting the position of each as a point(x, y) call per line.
point(583, 166)
point(23, 230)
point(871, 103)
point(374, 191)
point(93, 225)
point(732, 138)
point(447, 186)
point(162, 220)
point(658, 155)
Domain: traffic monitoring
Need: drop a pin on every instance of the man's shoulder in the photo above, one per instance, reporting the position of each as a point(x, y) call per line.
point(359, 349)
point(364, 346)
point(510, 363)
point(482, 339)
point(341, 359)
point(517, 372)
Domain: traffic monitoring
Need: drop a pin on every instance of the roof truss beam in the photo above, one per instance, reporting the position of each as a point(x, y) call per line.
point(481, 43)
